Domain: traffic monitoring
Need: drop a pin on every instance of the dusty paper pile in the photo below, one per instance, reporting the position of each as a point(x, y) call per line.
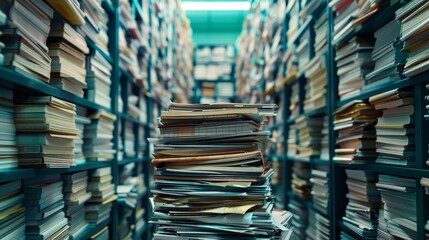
point(211, 177)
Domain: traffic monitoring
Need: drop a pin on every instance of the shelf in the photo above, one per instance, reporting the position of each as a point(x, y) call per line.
point(93, 45)
point(384, 87)
point(11, 78)
point(138, 9)
point(125, 161)
point(25, 173)
point(294, 159)
point(312, 160)
point(387, 169)
point(317, 112)
point(108, 6)
point(302, 29)
point(91, 230)
point(131, 119)
point(279, 156)
point(232, 80)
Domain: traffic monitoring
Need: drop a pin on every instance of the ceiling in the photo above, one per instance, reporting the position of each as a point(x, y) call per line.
point(216, 27)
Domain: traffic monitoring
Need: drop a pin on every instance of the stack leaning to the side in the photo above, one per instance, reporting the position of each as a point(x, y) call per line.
point(211, 177)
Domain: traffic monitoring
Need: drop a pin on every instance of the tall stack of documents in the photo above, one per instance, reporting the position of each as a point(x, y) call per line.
point(294, 100)
point(318, 226)
point(211, 177)
point(25, 36)
point(353, 61)
point(324, 152)
point(293, 8)
point(364, 203)
point(395, 128)
point(399, 216)
point(292, 141)
point(98, 79)
point(302, 51)
point(46, 131)
point(356, 141)
point(95, 27)
point(320, 188)
point(44, 208)
point(315, 89)
point(414, 32)
point(81, 122)
point(67, 49)
point(301, 189)
point(75, 195)
point(388, 58)
point(8, 149)
point(129, 144)
point(12, 222)
point(102, 195)
point(310, 137)
point(98, 137)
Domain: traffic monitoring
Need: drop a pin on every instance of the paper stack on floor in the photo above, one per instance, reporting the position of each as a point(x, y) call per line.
point(211, 177)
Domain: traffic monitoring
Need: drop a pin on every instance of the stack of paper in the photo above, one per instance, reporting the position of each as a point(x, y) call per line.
point(292, 141)
point(95, 27)
point(12, 222)
point(81, 122)
point(399, 216)
point(364, 202)
point(354, 123)
point(46, 131)
point(103, 194)
point(300, 218)
point(309, 137)
point(8, 149)
point(353, 60)
point(303, 52)
point(315, 88)
point(129, 144)
point(98, 79)
point(103, 234)
point(301, 188)
point(75, 196)
point(25, 36)
point(388, 58)
point(294, 101)
point(98, 137)
point(293, 8)
point(321, 29)
point(320, 188)
point(318, 226)
point(133, 109)
point(225, 90)
point(414, 31)
point(44, 208)
point(211, 177)
point(324, 152)
point(395, 128)
point(67, 49)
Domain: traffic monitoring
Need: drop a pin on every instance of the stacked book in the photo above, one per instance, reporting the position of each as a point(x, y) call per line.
point(388, 58)
point(213, 178)
point(12, 221)
point(292, 141)
point(25, 36)
point(75, 195)
point(44, 207)
point(315, 88)
point(98, 79)
point(67, 49)
point(46, 131)
point(95, 27)
point(356, 141)
point(293, 9)
point(103, 194)
point(321, 30)
point(98, 137)
point(397, 221)
point(129, 143)
point(364, 203)
point(309, 137)
point(324, 152)
point(414, 31)
point(81, 122)
point(395, 127)
point(318, 226)
point(8, 149)
point(294, 100)
point(133, 109)
point(301, 189)
point(302, 52)
point(320, 188)
point(103, 234)
point(353, 62)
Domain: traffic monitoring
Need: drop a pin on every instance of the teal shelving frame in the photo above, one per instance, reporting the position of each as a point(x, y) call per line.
point(337, 185)
point(24, 83)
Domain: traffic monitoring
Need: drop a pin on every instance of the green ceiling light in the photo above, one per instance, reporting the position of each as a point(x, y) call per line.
point(216, 6)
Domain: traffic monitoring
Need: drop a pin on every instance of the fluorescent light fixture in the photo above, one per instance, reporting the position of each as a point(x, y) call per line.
point(215, 6)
